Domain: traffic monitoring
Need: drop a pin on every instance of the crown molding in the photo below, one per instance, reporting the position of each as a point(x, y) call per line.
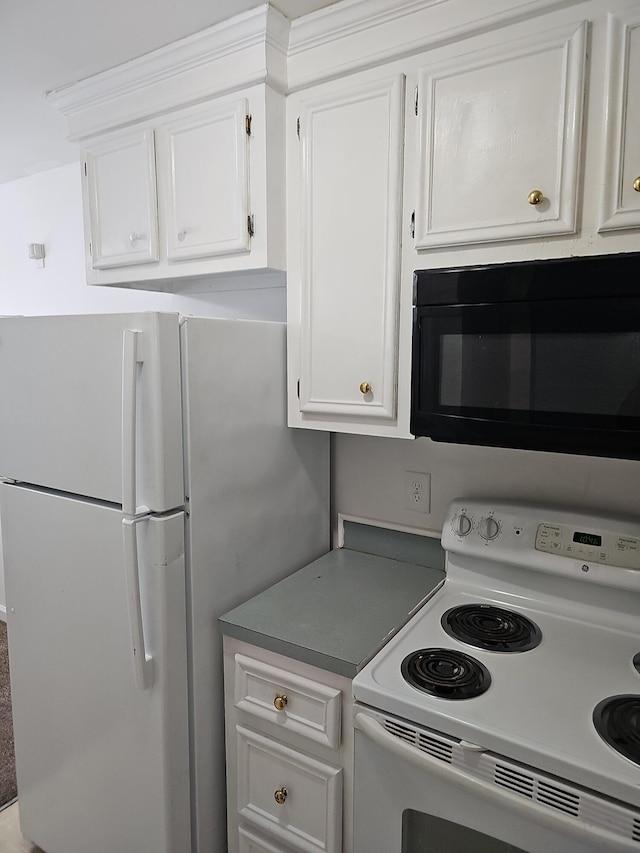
point(242, 43)
point(358, 34)
point(262, 46)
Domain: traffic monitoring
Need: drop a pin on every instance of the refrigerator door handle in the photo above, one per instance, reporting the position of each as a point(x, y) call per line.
point(130, 361)
point(142, 662)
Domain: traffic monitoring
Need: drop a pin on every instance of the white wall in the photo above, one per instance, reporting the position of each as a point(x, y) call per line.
point(47, 208)
point(370, 478)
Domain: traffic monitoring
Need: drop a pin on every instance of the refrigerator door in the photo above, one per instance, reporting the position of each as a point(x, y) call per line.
point(91, 406)
point(102, 763)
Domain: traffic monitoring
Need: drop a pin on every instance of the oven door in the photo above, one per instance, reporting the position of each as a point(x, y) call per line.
point(412, 796)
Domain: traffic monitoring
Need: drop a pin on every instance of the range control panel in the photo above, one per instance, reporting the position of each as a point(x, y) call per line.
point(596, 546)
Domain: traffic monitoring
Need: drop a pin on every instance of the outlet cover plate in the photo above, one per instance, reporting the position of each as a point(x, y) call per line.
point(417, 491)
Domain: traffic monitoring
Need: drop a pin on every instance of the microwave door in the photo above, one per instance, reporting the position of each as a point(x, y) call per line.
point(557, 375)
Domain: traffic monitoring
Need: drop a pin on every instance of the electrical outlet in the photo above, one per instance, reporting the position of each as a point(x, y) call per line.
point(417, 491)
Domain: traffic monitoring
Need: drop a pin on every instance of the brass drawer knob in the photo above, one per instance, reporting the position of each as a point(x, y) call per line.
point(535, 197)
point(365, 388)
point(280, 796)
point(636, 184)
point(280, 702)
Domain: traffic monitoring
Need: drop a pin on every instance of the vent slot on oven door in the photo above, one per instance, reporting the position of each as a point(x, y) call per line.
point(547, 791)
point(421, 740)
point(515, 780)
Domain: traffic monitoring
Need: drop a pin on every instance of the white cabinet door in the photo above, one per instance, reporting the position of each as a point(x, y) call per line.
point(120, 184)
point(500, 141)
point(621, 197)
point(203, 164)
point(351, 154)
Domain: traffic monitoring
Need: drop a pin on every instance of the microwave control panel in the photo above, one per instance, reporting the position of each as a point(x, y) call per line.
point(596, 546)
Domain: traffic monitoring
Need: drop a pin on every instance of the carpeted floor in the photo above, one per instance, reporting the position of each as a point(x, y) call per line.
point(8, 791)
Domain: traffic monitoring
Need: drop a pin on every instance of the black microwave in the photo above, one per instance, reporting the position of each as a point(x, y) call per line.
point(541, 355)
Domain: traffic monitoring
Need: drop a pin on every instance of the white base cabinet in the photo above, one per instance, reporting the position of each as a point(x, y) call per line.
point(289, 744)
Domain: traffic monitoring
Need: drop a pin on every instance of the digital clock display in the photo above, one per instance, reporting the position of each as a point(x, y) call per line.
point(587, 539)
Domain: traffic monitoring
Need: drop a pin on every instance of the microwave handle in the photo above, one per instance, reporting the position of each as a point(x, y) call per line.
point(500, 796)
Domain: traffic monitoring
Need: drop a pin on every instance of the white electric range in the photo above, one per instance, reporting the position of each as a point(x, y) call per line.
point(507, 710)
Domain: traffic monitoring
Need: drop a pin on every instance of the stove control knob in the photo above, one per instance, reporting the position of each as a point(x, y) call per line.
point(488, 528)
point(461, 524)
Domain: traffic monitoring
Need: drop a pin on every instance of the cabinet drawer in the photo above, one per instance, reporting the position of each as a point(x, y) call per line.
point(248, 842)
point(290, 795)
point(294, 703)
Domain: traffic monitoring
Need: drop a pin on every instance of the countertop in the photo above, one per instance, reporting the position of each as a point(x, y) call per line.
point(336, 612)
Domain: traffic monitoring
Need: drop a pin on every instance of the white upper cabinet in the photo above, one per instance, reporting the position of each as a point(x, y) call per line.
point(500, 134)
point(120, 177)
point(621, 197)
point(345, 206)
point(203, 166)
point(184, 163)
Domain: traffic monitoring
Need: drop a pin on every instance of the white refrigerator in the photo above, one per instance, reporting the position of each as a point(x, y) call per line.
point(149, 484)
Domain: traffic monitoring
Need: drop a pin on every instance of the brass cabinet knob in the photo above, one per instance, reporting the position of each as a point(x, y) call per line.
point(535, 197)
point(636, 184)
point(280, 795)
point(280, 702)
point(365, 388)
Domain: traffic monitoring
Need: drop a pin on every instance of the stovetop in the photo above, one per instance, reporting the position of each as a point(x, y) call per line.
point(535, 705)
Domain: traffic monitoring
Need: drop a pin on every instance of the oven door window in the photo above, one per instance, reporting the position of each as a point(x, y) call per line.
point(424, 833)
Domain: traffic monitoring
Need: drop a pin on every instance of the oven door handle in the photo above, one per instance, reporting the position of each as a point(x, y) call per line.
point(552, 820)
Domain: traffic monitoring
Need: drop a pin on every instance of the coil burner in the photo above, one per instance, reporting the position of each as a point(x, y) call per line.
point(446, 673)
point(492, 628)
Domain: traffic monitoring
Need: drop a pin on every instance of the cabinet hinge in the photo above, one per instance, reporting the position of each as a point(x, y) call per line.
point(298, 126)
point(413, 223)
point(415, 100)
point(298, 389)
point(247, 124)
point(85, 170)
point(250, 226)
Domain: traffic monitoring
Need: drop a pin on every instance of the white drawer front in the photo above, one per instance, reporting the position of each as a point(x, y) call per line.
point(250, 843)
point(309, 814)
point(294, 703)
